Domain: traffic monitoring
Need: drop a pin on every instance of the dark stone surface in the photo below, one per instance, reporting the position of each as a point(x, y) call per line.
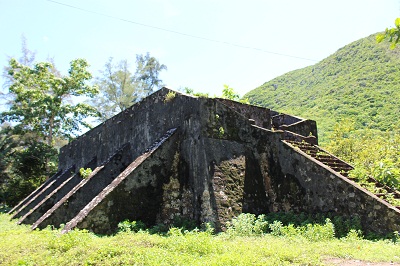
point(70, 205)
point(327, 191)
point(50, 200)
point(136, 195)
point(261, 116)
point(37, 191)
point(225, 158)
point(49, 188)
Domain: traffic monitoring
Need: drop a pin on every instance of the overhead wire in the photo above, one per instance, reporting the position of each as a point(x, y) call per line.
point(178, 32)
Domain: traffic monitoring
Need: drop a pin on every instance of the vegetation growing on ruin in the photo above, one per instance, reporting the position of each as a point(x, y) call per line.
point(353, 95)
point(284, 245)
point(42, 112)
point(372, 152)
point(85, 173)
point(169, 96)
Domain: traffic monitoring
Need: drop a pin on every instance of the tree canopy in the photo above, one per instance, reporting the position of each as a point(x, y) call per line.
point(121, 88)
point(41, 111)
point(42, 99)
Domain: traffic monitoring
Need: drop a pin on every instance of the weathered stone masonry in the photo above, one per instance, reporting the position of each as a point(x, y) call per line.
point(198, 158)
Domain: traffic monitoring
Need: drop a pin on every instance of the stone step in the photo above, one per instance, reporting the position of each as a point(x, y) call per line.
point(329, 158)
point(339, 170)
point(336, 164)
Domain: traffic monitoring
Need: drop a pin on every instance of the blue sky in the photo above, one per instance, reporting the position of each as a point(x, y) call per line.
point(281, 35)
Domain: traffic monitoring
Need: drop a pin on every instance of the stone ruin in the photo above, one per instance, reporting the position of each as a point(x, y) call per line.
point(207, 160)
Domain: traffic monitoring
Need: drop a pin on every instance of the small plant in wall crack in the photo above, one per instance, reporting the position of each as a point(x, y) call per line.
point(169, 96)
point(85, 173)
point(221, 132)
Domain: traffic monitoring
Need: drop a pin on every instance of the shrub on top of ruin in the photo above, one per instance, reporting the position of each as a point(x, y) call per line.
point(169, 96)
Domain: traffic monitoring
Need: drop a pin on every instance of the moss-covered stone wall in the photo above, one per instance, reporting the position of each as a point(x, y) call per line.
point(224, 158)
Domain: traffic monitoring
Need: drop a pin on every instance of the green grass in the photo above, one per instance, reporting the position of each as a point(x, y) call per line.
point(20, 246)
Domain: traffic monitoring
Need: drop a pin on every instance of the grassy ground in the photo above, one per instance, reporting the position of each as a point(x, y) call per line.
point(20, 246)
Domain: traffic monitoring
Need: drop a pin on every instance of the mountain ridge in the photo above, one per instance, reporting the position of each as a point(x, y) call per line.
point(360, 82)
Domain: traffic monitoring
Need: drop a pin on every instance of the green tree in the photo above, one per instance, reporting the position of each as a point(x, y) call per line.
point(117, 89)
point(25, 162)
point(229, 93)
point(41, 104)
point(41, 113)
point(147, 73)
point(7, 146)
point(27, 58)
point(120, 88)
point(392, 34)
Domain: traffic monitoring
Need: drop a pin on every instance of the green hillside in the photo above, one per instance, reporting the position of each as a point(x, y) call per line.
point(360, 81)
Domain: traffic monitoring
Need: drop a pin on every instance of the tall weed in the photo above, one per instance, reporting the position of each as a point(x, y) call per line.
point(247, 224)
point(301, 225)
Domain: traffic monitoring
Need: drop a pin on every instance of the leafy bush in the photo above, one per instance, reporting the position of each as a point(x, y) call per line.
point(158, 229)
point(344, 225)
point(192, 242)
point(246, 224)
point(396, 237)
point(184, 223)
point(24, 164)
point(4, 208)
point(276, 228)
point(312, 232)
point(289, 224)
point(371, 152)
point(354, 235)
point(134, 226)
point(387, 172)
point(317, 232)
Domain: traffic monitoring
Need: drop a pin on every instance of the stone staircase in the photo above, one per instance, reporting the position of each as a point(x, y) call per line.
point(341, 167)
